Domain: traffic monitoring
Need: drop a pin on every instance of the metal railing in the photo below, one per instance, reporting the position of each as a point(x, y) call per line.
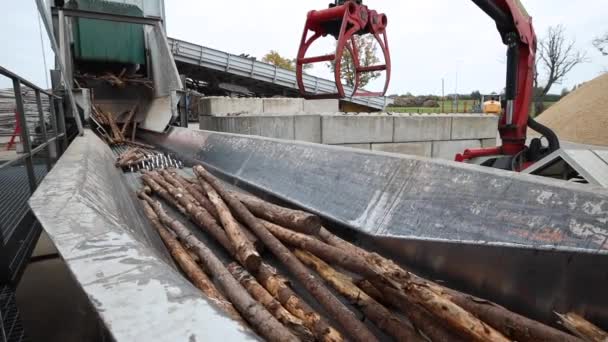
point(57, 120)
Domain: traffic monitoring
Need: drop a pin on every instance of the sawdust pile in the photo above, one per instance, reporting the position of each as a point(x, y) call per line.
point(582, 116)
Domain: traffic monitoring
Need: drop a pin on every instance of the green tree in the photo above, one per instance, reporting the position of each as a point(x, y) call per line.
point(368, 56)
point(476, 95)
point(274, 58)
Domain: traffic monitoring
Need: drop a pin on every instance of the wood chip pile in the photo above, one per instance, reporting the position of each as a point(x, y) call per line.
point(582, 116)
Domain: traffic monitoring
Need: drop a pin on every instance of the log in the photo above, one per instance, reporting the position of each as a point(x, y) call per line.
point(124, 158)
point(187, 264)
point(180, 182)
point(198, 215)
point(453, 316)
point(270, 303)
point(279, 288)
point(345, 317)
point(198, 194)
point(116, 133)
point(581, 327)
point(123, 131)
point(335, 241)
point(394, 326)
point(254, 313)
point(511, 324)
point(149, 180)
point(508, 323)
point(245, 251)
point(296, 220)
point(422, 320)
point(326, 252)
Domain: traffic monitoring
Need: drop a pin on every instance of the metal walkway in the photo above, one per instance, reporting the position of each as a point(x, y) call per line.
point(13, 197)
point(211, 64)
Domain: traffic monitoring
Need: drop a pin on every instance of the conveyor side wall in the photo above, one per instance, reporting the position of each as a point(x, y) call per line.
point(94, 220)
point(529, 243)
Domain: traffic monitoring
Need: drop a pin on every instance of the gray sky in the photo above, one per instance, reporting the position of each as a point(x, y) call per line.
point(429, 40)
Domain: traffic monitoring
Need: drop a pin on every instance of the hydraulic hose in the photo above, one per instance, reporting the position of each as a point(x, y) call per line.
point(546, 132)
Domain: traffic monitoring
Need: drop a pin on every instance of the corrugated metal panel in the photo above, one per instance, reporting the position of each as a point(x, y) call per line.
point(99, 40)
point(246, 67)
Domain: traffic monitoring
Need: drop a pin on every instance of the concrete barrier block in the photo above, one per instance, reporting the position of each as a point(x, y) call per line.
point(308, 128)
point(449, 149)
point(321, 106)
point(279, 127)
point(489, 142)
point(358, 146)
point(351, 129)
point(286, 106)
point(422, 128)
point(474, 126)
point(423, 149)
point(220, 106)
point(207, 123)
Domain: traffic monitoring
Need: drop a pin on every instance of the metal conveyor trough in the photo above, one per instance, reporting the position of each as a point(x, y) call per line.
point(534, 245)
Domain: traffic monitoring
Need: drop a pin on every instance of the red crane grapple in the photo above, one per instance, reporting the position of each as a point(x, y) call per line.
point(344, 21)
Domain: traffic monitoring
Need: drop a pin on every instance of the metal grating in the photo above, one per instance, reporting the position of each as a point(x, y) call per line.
point(11, 329)
point(14, 196)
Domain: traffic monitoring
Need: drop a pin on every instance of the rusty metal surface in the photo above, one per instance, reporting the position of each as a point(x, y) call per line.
point(530, 243)
point(86, 207)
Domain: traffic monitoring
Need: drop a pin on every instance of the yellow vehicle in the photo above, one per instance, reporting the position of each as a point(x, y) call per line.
point(493, 106)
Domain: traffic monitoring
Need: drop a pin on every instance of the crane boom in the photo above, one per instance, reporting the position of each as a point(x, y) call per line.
point(348, 18)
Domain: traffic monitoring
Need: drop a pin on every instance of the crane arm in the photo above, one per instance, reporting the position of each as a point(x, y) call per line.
point(347, 18)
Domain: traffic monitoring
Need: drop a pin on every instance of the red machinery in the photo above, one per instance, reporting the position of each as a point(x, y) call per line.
point(344, 20)
point(347, 18)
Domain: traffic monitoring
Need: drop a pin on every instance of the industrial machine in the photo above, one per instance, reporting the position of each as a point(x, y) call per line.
point(535, 245)
point(344, 19)
point(488, 104)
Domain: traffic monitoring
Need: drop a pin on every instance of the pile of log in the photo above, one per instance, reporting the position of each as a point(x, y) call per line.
point(399, 303)
point(8, 106)
point(122, 80)
point(111, 131)
point(139, 159)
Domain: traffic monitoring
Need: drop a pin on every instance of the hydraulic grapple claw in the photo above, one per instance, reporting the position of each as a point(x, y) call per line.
point(343, 21)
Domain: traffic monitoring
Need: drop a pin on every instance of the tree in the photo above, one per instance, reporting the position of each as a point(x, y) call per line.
point(274, 58)
point(601, 43)
point(476, 95)
point(557, 56)
point(368, 56)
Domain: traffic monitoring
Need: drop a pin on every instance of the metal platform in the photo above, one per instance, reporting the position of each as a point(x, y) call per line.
point(262, 78)
point(11, 329)
point(13, 197)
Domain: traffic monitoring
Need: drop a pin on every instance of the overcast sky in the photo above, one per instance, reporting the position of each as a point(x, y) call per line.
point(429, 39)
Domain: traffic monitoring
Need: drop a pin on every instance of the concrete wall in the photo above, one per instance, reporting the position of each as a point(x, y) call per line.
point(229, 106)
point(428, 135)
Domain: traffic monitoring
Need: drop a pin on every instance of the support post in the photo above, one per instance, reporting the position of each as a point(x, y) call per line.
point(54, 126)
point(43, 132)
point(25, 137)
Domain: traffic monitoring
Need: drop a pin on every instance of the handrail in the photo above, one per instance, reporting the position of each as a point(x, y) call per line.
point(12, 75)
point(58, 136)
